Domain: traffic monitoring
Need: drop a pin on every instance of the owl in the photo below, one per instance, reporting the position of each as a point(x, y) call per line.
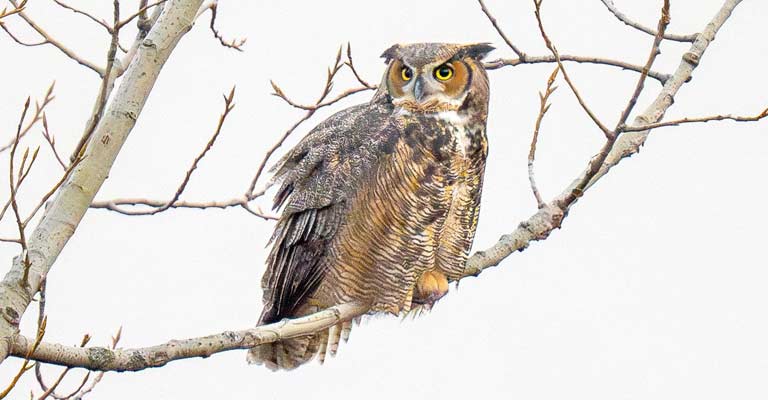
point(381, 200)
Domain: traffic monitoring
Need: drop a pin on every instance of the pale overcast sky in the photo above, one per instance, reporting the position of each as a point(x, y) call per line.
point(653, 288)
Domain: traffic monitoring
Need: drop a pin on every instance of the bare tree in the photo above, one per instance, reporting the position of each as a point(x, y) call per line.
point(128, 80)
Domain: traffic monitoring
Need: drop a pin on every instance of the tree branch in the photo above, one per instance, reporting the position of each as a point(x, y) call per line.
point(48, 39)
point(627, 21)
point(543, 108)
point(688, 120)
point(228, 106)
point(103, 359)
point(549, 218)
point(36, 117)
point(116, 205)
point(252, 193)
point(15, 10)
point(86, 14)
point(556, 54)
point(522, 56)
point(548, 59)
point(236, 44)
point(107, 82)
point(74, 197)
point(537, 227)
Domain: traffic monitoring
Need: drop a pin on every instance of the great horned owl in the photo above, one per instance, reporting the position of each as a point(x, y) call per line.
point(380, 200)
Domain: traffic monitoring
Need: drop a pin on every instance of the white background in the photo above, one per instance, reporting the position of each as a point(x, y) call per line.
point(654, 287)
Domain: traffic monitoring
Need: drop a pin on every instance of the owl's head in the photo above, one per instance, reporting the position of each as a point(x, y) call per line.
point(433, 77)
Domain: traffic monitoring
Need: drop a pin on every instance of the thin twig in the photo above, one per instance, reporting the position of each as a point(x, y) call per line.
point(14, 204)
point(48, 39)
point(52, 142)
point(144, 25)
point(117, 205)
point(142, 12)
point(228, 106)
point(520, 54)
point(279, 93)
point(106, 81)
point(553, 50)
point(661, 28)
point(546, 220)
point(236, 44)
point(543, 108)
point(18, 40)
point(14, 10)
point(676, 122)
point(25, 365)
point(627, 21)
point(311, 109)
point(47, 391)
point(36, 116)
point(250, 194)
point(548, 59)
point(351, 66)
point(98, 21)
point(596, 163)
point(75, 391)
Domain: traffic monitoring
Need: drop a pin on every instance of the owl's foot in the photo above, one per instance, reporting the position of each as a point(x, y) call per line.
point(430, 288)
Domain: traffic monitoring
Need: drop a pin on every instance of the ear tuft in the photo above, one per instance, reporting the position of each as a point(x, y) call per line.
point(478, 51)
point(390, 53)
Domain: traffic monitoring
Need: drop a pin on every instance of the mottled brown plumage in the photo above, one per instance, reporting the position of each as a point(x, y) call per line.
point(381, 200)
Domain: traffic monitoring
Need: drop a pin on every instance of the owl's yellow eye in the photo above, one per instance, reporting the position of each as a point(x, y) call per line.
point(444, 72)
point(406, 73)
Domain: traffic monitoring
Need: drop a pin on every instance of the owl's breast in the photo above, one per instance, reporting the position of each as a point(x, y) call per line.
point(461, 134)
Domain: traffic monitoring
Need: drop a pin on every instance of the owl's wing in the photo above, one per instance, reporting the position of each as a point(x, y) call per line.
point(317, 179)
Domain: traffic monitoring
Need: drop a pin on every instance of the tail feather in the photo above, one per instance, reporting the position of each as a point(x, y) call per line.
point(323, 347)
point(346, 328)
point(291, 353)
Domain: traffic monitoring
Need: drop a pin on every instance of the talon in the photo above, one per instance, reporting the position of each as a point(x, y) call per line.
point(430, 288)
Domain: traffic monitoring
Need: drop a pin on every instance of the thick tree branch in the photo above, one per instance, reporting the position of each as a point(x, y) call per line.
point(547, 219)
point(74, 197)
point(103, 359)
point(537, 227)
point(107, 82)
point(117, 70)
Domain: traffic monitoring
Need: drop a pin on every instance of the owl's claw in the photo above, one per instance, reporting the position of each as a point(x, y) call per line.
point(430, 288)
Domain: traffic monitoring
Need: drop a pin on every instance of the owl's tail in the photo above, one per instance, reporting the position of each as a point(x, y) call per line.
point(290, 353)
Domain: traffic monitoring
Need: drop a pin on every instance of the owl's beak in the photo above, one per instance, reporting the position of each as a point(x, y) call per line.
point(418, 89)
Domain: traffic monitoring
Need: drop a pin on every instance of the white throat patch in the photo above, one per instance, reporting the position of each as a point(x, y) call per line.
point(459, 121)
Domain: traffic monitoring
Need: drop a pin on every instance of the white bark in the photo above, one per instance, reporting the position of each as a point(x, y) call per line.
point(537, 227)
point(549, 217)
point(73, 199)
point(104, 359)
